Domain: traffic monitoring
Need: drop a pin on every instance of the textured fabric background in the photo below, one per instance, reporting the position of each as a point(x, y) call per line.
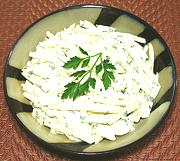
point(15, 16)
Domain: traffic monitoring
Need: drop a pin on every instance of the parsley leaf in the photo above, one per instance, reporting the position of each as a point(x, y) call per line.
point(73, 63)
point(110, 74)
point(107, 75)
point(85, 62)
point(98, 68)
point(78, 73)
point(108, 65)
point(92, 82)
point(76, 89)
point(71, 90)
point(83, 51)
point(106, 80)
point(83, 89)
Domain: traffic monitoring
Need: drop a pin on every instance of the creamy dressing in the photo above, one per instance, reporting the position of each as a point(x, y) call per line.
point(100, 113)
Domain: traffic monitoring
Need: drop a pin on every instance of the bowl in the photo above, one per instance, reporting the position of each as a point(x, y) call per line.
point(56, 21)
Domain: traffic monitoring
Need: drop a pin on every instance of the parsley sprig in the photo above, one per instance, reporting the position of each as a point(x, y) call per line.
point(76, 88)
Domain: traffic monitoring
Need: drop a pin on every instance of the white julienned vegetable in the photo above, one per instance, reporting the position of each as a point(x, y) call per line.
point(100, 113)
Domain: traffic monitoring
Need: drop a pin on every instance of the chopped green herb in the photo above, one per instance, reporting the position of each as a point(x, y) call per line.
point(30, 72)
point(115, 47)
point(45, 78)
point(149, 98)
point(52, 67)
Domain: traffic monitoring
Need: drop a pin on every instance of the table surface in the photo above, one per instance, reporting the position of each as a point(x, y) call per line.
point(16, 16)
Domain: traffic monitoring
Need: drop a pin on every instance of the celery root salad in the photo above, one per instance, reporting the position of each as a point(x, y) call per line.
point(91, 82)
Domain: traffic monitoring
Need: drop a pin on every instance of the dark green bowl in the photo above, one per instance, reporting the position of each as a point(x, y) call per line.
point(56, 21)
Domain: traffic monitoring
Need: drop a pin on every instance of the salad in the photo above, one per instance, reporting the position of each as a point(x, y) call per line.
point(91, 82)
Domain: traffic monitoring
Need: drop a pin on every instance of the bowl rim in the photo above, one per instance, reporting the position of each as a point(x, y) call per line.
point(99, 153)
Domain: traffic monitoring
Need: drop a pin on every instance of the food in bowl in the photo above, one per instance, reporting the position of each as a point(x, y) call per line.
point(91, 82)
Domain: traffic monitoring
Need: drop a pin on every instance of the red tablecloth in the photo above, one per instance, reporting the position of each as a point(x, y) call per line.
point(15, 16)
